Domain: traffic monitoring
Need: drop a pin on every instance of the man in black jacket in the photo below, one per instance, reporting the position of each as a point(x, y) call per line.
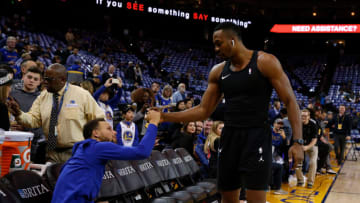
point(342, 128)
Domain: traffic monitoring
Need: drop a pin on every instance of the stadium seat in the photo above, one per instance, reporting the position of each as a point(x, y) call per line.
point(52, 174)
point(8, 195)
point(209, 186)
point(164, 200)
point(110, 186)
point(169, 176)
point(29, 185)
point(150, 177)
point(129, 180)
point(197, 192)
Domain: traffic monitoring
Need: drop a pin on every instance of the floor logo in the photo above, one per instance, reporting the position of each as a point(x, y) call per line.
point(302, 195)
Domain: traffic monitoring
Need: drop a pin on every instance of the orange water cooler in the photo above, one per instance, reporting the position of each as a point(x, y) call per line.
point(15, 144)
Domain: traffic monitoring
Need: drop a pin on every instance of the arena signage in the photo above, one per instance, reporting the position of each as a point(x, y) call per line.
point(316, 28)
point(196, 16)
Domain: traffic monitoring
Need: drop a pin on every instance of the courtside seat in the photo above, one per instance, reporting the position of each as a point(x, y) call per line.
point(129, 180)
point(147, 172)
point(164, 200)
point(164, 167)
point(29, 185)
point(52, 173)
point(8, 195)
point(182, 197)
point(197, 192)
point(110, 186)
point(209, 185)
point(150, 177)
point(169, 176)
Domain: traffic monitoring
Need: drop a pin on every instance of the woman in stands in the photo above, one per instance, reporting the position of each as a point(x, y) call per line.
point(165, 99)
point(95, 76)
point(211, 147)
point(6, 76)
point(165, 103)
point(185, 138)
point(144, 99)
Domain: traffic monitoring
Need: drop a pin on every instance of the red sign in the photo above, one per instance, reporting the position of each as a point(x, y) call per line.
point(135, 6)
point(200, 16)
point(316, 28)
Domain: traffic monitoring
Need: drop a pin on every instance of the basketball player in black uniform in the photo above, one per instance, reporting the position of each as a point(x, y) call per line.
point(245, 80)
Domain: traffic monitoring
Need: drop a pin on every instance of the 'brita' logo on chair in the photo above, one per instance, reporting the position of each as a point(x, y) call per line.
point(163, 163)
point(33, 191)
point(108, 175)
point(126, 171)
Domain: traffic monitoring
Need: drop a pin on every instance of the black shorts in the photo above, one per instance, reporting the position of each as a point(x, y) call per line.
point(245, 158)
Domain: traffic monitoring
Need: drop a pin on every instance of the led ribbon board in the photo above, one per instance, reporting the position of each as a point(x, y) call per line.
point(316, 28)
point(195, 16)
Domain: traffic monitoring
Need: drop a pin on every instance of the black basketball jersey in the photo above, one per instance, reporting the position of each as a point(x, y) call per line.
point(247, 95)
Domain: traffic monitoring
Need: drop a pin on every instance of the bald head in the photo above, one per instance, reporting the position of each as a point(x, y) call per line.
point(55, 77)
point(59, 70)
point(26, 64)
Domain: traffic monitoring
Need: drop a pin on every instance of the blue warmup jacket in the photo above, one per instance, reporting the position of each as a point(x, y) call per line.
point(82, 174)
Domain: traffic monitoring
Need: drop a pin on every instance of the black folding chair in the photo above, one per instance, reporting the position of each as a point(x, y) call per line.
point(52, 173)
point(129, 180)
point(29, 185)
point(208, 186)
point(9, 195)
point(170, 182)
point(110, 187)
point(164, 200)
point(150, 177)
point(197, 192)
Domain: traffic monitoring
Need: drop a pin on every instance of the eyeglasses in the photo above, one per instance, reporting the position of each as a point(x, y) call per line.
point(49, 79)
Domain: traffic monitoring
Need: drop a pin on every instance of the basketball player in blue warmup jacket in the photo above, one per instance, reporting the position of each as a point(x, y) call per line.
point(81, 176)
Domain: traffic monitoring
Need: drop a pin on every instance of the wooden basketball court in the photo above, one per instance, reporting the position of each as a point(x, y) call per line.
point(343, 187)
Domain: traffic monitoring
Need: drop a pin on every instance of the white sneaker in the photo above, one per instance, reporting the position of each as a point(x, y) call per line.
point(280, 192)
point(330, 171)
